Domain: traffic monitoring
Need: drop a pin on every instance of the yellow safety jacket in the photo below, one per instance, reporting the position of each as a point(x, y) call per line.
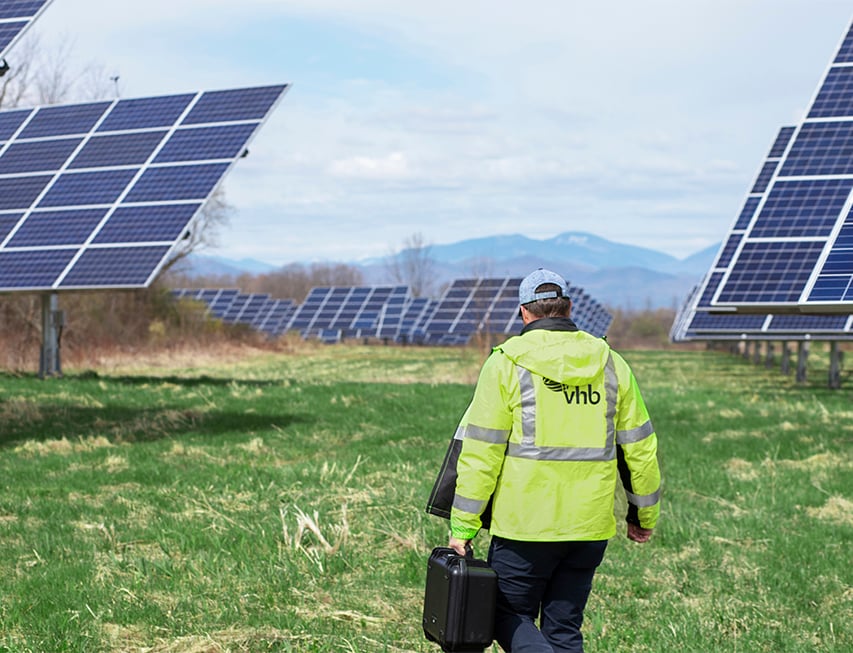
point(556, 417)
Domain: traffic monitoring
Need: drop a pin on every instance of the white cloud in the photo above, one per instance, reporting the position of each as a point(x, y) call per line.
point(394, 166)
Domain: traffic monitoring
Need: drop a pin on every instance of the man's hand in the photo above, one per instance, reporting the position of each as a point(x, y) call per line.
point(458, 545)
point(638, 534)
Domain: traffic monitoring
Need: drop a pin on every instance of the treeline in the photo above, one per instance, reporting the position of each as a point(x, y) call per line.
point(100, 323)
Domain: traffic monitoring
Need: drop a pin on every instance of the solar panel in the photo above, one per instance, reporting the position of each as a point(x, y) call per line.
point(335, 313)
point(15, 17)
point(259, 311)
point(470, 306)
point(275, 322)
point(352, 312)
point(691, 324)
point(795, 250)
point(98, 194)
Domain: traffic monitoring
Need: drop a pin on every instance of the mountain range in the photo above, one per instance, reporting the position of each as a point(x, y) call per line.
point(616, 274)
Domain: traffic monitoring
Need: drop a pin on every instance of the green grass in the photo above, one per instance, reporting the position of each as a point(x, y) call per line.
point(276, 504)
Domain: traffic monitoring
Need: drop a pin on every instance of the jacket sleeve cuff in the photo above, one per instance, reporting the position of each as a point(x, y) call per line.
point(463, 533)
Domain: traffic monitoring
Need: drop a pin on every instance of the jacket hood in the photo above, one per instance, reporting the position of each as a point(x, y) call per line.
point(570, 357)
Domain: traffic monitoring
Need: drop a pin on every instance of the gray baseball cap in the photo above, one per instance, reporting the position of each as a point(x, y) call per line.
point(527, 290)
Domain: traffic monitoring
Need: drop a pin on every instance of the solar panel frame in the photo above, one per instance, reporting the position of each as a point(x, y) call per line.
point(58, 160)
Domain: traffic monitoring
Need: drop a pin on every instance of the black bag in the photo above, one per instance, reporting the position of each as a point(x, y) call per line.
point(441, 498)
point(459, 601)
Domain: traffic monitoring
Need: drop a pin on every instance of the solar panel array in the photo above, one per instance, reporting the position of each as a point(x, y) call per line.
point(697, 321)
point(794, 251)
point(258, 311)
point(691, 324)
point(391, 313)
point(470, 306)
point(336, 312)
point(97, 195)
point(15, 17)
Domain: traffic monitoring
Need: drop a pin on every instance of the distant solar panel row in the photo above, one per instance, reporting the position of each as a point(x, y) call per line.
point(259, 311)
point(794, 241)
point(96, 195)
point(332, 314)
point(471, 306)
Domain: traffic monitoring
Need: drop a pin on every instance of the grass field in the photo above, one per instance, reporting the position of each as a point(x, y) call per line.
point(275, 503)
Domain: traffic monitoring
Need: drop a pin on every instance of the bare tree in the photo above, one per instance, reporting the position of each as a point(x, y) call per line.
point(205, 229)
point(413, 265)
point(17, 83)
point(44, 75)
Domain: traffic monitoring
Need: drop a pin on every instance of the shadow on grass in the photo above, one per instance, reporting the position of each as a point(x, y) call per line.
point(188, 382)
point(125, 424)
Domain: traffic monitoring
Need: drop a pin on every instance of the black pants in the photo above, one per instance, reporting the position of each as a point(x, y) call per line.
point(549, 581)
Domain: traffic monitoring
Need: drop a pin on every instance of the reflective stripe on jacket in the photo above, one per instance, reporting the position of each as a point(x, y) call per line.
point(556, 417)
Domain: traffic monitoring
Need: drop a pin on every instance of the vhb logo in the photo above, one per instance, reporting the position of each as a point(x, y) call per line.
point(574, 394)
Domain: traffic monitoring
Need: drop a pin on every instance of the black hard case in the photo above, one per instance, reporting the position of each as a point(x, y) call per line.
point(459, 601)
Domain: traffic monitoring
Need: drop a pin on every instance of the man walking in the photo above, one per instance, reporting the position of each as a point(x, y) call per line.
point(556, 417)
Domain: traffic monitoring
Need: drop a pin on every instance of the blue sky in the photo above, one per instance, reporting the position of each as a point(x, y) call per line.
point(641, 122)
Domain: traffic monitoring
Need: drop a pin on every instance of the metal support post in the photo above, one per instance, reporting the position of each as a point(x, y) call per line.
point(786, 358)
point(802, 360)
point(768, 355)
point(835, 361)
point(52, 321)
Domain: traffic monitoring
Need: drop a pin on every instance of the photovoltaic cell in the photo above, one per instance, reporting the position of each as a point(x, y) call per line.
point(200, 143)
point(111, 187)
point(8, 33)
point(177, 182)
point(32, 269)
point(146, 113)
point(823, 148)
point(764, 176)
point(804, 212)
point(845, 52)
point(802, 208)
point(21, 192)
point(20, 8)
point(233, 105)
point(771, 272)
point(7, 223)
point(133, 224)
point(84, 188)
point(10, 122)
point(117, 150)
point(46, 228)
point(124, 266)
point(747, 213)
point(783, 138)
point(834, 97)
point(53, 121)
point(37, 156)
